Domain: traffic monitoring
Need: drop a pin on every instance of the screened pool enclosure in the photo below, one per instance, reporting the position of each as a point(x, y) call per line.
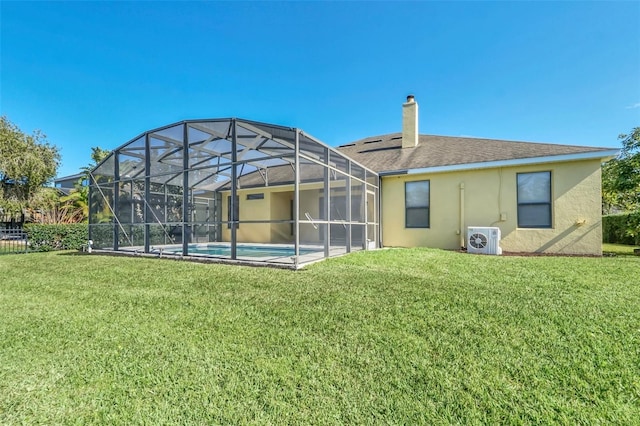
point(233, 189)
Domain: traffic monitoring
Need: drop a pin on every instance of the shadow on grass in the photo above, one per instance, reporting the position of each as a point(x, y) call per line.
point(71, 253)
point(611, 250)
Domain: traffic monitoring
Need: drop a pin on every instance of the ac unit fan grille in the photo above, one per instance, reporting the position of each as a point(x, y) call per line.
point(478, 240)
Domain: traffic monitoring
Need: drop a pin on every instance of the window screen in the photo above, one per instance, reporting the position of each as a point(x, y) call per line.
point(416, 198)
point(534, 200)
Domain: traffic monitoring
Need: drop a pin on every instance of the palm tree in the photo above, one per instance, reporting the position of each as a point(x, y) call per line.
point(75, 205)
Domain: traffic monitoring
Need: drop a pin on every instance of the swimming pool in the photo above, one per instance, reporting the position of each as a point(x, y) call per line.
point(244, 250)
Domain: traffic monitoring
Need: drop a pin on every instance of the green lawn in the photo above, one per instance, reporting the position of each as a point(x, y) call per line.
point(618, 249)
point(412, 336)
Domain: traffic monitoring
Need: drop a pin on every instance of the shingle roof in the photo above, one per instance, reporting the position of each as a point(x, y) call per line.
point(385, 153)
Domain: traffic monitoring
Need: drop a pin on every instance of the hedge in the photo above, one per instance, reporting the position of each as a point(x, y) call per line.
point(621, 228)
point(57, 237)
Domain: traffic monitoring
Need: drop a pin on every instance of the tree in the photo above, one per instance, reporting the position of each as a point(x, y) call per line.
point(76, 203)
point(54, 209)
point(621, 176)
point(75, 206)
point(27, 164)
point(97, 155)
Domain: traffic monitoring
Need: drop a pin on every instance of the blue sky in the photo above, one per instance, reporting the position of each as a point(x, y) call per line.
point(100, 73)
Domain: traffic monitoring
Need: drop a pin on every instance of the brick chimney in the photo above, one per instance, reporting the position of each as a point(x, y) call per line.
point(410, 123)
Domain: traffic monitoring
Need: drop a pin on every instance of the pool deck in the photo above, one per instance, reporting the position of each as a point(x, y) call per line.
point(280, 261)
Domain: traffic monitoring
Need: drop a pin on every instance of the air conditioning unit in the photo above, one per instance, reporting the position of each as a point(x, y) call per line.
point(484, 240)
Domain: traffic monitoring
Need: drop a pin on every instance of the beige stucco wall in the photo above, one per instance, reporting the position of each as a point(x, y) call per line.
point(281, 210)
point(490, 199)
point(249, 210)
point(276, 205)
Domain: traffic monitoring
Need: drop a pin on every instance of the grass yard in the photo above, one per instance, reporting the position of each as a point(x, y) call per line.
point(404, 336)
point(618, 249)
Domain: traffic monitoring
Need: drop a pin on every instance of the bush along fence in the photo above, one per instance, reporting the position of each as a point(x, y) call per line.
point(57, 237)
point(621, 228)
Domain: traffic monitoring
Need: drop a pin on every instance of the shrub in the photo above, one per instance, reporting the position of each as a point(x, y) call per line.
point(102, 235)
point(57, 237)
point(621, 228)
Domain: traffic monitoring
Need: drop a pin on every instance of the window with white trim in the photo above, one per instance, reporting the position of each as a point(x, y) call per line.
point(534, 200)
point(416, 202)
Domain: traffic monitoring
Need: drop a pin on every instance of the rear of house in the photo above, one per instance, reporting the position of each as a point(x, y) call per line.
point(257, 192)
point(543, 197)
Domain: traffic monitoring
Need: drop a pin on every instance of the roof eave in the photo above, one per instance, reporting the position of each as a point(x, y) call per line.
point(69, 177)
point(592, 155)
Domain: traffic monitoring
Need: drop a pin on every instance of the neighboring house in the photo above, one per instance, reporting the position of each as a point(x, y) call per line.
point(66, 183)
point(543, 197)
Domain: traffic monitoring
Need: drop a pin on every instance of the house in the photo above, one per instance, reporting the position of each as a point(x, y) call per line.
point(543, 197)
point(65, 184)
point(247, 191)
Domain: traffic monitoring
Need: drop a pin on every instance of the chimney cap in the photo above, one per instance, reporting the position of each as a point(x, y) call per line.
point(411, 98)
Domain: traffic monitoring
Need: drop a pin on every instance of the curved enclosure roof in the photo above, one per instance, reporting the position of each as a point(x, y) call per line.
point(266, 152)
point(191, 187)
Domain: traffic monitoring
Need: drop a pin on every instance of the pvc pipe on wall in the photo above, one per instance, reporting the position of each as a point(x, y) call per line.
point(461, 230)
